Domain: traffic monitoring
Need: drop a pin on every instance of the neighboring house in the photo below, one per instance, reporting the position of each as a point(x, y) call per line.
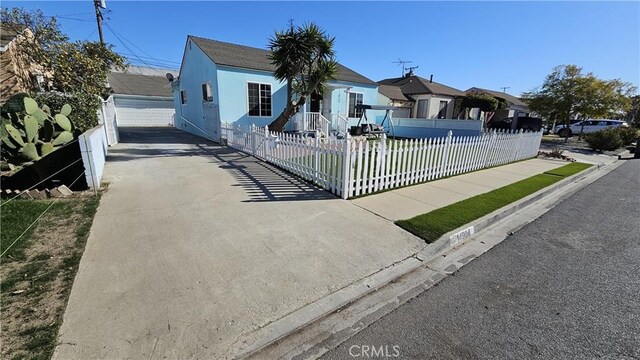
point(393, 96)
point(432, 100)
point(513, 104)
point(142, 97)
point(221, 82)
point(17, 72)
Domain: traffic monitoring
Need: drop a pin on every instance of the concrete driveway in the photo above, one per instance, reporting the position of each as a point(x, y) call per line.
point(194, 246)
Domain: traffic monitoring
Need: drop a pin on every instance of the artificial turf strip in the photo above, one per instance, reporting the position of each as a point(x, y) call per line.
point(569, 170)
point(432, 225)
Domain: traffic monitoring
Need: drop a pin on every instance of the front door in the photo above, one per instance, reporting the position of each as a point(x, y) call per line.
point(210, 120)
point(314, 103)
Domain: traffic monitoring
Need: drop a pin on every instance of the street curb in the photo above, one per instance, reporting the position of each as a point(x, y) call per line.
point(303, 317)
point(318, 309)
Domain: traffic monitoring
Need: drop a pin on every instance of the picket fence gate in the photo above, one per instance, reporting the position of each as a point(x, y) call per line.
point(356, 166)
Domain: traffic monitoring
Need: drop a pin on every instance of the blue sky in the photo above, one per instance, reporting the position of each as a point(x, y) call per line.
point(463, 44)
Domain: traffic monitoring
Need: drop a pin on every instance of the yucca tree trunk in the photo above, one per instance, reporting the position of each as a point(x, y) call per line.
point(279, 123)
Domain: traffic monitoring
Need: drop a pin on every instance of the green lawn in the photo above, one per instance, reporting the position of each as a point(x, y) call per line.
point(431, 226)
point(15, 218)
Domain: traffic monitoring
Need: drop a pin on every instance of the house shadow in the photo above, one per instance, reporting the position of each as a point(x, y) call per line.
point(262, 182)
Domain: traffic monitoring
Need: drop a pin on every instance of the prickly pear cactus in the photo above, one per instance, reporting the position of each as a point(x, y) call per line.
point(33, 133)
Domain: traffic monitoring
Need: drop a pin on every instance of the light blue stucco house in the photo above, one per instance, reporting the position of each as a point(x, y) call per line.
point(221, 82)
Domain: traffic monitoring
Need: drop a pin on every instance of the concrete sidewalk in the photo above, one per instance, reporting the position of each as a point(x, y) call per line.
point(411, 201)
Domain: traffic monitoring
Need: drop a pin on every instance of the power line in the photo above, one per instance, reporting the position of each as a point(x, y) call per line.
point(150, 58)
point(128, 48)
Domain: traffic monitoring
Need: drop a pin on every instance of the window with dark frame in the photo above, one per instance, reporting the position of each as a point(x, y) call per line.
point(259, 96)
point(442, 113)
point(183, 97)
point(355, 99)
point(207, 92)
point(422, 109)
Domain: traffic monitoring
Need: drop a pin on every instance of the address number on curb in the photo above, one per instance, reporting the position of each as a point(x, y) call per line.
point(461, 235)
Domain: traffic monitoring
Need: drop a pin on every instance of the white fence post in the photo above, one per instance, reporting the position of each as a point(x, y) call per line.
point(316, 159)
point(383, 162)
point(253, 139)
point(447, 147)
point(346, 163)
point(267, 143)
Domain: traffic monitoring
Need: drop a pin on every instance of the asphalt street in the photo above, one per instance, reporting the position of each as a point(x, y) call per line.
point(566, 286)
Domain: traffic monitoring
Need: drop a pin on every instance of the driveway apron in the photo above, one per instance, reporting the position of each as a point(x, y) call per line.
point(195, 245)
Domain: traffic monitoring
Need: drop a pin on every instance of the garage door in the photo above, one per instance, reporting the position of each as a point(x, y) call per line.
point(144, 112)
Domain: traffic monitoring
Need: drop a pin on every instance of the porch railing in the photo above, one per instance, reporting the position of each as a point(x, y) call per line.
point(340, 125)
point(315, 121)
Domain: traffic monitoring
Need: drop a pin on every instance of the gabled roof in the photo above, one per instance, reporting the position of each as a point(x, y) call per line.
point(223, 53)
point(502, 95)
point(392, 92)
point(415, 85)
point(135, 84)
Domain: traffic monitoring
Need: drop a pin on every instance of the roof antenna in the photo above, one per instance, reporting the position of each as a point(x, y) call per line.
point(402, 62)
point(504, 88)
point(410, 69)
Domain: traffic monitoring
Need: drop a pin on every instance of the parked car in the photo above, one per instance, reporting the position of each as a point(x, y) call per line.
point(526, 123)
point(590, 126)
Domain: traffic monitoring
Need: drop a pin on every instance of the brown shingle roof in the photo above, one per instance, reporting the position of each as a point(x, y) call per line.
point(499, 94)
point(134, 84)
point(223, 53)
point(392, 92)
point(412, 85)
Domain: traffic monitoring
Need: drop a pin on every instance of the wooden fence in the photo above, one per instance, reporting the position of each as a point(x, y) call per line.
point(357, 166)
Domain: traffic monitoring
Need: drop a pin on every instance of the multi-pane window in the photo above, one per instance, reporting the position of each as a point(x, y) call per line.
point(259, 99)
point(207, 92)
point(355, 99)
point(442, 112)
point(183, 97)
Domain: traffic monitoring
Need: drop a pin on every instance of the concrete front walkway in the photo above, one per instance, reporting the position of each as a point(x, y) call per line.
point(195, 246)
point(411, 201)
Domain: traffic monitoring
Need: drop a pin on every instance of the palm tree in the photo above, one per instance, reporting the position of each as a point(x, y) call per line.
point(304, 58)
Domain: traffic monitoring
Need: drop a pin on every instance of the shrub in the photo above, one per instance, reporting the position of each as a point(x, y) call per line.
point(85, 107)
point(607, 139)
point(628, 135)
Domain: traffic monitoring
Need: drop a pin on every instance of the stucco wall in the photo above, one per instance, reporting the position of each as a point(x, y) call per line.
point(340, 101)
point(196, 69)
point(433, 102)
point(234, 102)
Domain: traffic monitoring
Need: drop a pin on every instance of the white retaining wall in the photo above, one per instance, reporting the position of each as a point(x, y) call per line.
point(94, 147)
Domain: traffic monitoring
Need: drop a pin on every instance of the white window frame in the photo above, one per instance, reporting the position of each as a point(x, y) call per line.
point(183, 98)
point(209, 88)
point(259, 99)
point(355, 111)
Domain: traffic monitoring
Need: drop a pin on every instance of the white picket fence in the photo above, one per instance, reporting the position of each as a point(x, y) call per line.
point(356, 166)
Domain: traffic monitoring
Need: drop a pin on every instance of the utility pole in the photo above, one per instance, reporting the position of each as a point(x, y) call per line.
point(97, 4)
point(504, 88)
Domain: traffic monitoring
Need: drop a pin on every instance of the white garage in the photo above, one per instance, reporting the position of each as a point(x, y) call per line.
point(141, 100)
point(134, 111)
